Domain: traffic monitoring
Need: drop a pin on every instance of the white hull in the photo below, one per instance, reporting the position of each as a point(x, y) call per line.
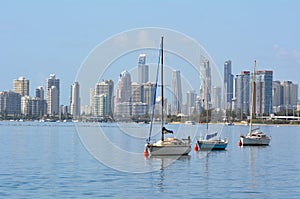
point(169, 150)
point(170, 146)
point(254, 140)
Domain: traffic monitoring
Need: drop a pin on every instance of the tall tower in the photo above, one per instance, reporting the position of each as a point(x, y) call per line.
point(106, 87)
point(190, 101)
point(148, 96)
point(216, 97)
point(39, 92)
point(205, 87)
point(228, 85)
point(143, 70)
point(123, 95)
point(21, 86)
point(277, 93)
point(52, 95)
point(242, 92)
point(176, 92)
point(263, 92)
point(75, 100)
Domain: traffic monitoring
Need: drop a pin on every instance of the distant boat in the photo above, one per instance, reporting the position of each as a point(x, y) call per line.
point(170, 145)
point(229, 124)
point(254, 137)
point(190, 122)
point(211, 141)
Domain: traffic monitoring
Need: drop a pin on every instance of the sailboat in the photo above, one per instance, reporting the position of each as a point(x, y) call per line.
point(168, 145)
point(211, 141)
point(255, 136)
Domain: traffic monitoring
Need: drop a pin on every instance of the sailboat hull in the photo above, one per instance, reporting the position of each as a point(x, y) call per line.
point(170, 146)
point(169, 150)
point(255, 141)
point(212, 144)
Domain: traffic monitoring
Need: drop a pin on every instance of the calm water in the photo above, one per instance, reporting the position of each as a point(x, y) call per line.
point(49, 160)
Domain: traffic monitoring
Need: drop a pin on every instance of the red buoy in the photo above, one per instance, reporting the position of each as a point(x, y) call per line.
point(239, 143)
point(196, 147)
point(146, 152)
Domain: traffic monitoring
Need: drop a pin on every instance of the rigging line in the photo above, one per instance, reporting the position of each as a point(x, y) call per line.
point(154, 95)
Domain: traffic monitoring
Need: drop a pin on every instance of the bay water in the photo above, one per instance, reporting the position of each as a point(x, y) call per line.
point(67, 160)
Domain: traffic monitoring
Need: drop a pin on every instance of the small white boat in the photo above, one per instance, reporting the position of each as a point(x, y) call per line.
point(254, 137)
point(190, 122)
point(170, 145)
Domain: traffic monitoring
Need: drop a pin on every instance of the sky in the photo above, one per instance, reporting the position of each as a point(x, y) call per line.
point(38, 38)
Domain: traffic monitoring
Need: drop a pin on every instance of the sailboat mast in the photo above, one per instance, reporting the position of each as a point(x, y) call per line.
point(207, 115)
point(252, 97)
point(162, 88)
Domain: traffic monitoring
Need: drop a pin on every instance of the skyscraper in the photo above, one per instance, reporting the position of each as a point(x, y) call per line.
point(143, 69)
point(148, 96)
point(42, 104)
point(75, 100)
point(228, 85)
point(21, 86)
point(137, 92)
point(242, 92)
point(263, 92)
point(277, 94)
point(52, 102)
point(216, 97)
point(123, 95)
point(190, 101)
point(52, 95)
point(106, 87)
point(290, 93)
point(39, 92)
point(205, 86)
point(10, 103)
point(101, 105)
point(176, 92)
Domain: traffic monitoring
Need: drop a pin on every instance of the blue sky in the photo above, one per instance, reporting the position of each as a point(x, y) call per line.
point(42, 37)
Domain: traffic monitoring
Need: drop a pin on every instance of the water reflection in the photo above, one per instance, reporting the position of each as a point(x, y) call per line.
point(165, 162)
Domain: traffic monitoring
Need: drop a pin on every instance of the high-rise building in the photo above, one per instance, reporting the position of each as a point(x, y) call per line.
point(32, 106)
point(91, 106)
point(10, 103)
point(228, 86)
point(123, 95)
point(75, 100)
point(143, 69)
point(263, 92)
point(39, 92)
point(52, 101)
point(216, 97)
point(21, 86)
point(101, 105)
point(149, 96)
point(52, 95)
point(277, 94)
point(205, 86)
point(290, 93)
point(190, 101)
point(106, 87)
point(242, 92)
point(137, 92)
point(176, 92)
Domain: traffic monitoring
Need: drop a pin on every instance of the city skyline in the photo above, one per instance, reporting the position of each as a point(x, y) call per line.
point(270, 95)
